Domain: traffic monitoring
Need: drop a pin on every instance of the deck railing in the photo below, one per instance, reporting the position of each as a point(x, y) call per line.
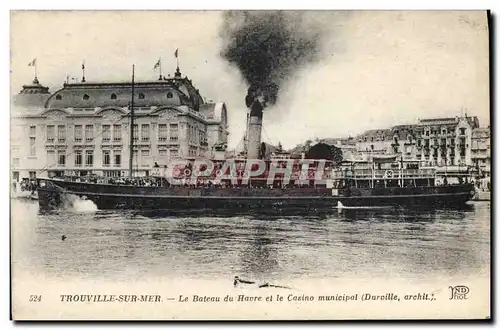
point(386, 174)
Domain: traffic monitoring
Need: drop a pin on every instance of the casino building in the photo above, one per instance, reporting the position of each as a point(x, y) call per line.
point(83, 128)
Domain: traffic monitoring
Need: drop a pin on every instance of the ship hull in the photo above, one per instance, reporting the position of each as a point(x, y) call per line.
point(240, 199)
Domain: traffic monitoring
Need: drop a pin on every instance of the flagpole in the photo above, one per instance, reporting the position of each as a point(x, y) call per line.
point(83, 71)
point(36, 78)
point(160, 69)
point(177, 72)
point(131, 157)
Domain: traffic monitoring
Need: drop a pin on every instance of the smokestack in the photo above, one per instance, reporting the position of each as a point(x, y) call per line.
point(255, 102)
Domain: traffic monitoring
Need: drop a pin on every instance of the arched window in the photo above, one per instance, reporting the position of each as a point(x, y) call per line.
point(113, 96)
point(58, 97)
point(141, 96)
point(86, 96)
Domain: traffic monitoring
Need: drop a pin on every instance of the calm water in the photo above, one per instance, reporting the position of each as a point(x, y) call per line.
point(121, 245)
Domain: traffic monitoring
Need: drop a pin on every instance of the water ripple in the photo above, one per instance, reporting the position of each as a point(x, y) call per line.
point(132, 244)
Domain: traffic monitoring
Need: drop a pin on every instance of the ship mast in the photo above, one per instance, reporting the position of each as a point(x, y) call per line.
point(131, 158)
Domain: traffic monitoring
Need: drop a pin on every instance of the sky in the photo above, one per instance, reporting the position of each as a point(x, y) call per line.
point(375, 69)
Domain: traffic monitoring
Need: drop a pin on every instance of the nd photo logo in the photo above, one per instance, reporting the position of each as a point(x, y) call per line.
point(459, 292)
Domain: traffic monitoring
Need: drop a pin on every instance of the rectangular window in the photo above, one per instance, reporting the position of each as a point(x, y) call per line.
point(118, 158)
point(462, 131)
point(78, 158)
point(136, 132)
point(32, 130)
point(89, 133)
point(112, 174)
point(162, 152)
point(162, 132)
point(61, 133)
point(89, 158)
point(50, 133)
point(174, 132)
point(144, 153)
point(106, 158)
point(61, 158)
point(32, 146)
point(106, 133)
point(174, 154)
point(51, 158)
point(15, 162)
point(145, 132)
point(117, 133)
point(78, 133)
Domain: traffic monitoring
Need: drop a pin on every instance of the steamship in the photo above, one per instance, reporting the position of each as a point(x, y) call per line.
point(253, 183)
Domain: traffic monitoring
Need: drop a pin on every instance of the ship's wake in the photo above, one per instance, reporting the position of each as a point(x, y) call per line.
point(77, 204)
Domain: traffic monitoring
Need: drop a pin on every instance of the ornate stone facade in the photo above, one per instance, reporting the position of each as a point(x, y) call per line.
point(84, 128)
point(434, 142)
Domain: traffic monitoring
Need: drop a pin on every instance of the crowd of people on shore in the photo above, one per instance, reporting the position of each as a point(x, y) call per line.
point(29, 185)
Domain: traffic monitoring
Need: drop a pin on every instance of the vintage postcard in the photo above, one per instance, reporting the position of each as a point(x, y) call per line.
point(250, 165)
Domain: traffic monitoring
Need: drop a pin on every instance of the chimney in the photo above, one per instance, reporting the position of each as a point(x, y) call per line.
point(254, 127)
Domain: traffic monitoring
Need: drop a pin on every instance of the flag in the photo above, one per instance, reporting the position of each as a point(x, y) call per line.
point(177, 52)
point(83, 66)
point(32, 63)
point(157, 65)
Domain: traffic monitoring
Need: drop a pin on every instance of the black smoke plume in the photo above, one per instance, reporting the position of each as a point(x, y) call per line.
point(267, 47)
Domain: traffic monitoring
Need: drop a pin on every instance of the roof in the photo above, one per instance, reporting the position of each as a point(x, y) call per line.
point(482, 132)
point(30, 102)
point(340, 142)
point(214, 111)
point(376, 133)
point(403, 131)
point(170, 92)
point(447, 120)
point(31, 98)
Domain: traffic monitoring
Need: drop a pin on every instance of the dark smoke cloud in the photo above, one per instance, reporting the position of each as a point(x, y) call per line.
point(267, 47)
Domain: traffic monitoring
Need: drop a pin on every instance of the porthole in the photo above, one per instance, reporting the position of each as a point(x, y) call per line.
point(170, 95)
point(141, 96)
point(113, 96)
point(86, 96)
point(58, 97)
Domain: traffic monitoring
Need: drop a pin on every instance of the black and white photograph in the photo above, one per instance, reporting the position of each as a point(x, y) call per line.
point(250, 164)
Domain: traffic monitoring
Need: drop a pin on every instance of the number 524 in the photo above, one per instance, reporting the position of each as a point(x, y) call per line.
point(35, 298)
